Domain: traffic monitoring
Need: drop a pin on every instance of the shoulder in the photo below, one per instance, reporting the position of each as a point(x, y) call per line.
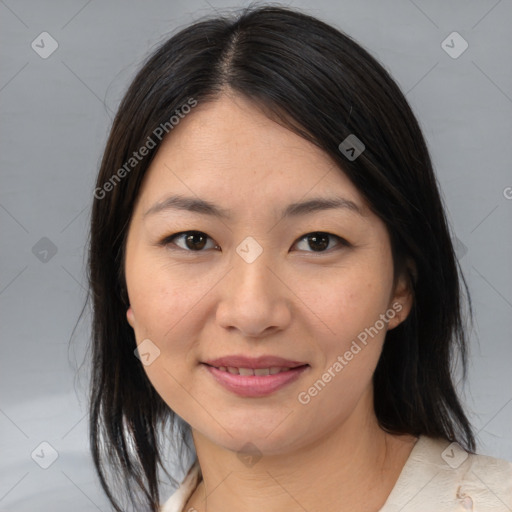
point(442, 476)
point(177, 501)
point(487, 480)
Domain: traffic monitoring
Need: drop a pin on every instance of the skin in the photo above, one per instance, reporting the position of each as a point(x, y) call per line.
point(292, 301)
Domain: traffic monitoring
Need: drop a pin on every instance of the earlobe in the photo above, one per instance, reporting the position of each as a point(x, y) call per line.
point(398, 315)
point(401, 308)
point(130, 316)
point(403, 297)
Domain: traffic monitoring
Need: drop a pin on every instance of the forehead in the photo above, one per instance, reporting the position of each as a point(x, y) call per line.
point(229, 151)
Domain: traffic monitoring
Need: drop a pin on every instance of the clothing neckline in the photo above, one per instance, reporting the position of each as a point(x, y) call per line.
point(418, 468)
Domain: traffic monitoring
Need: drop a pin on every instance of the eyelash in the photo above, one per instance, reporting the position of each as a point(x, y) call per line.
point(170, 240)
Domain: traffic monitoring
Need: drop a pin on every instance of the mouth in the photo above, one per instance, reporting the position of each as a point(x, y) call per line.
point(255, 379)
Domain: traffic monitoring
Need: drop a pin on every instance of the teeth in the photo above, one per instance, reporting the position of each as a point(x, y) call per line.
point(250, 371)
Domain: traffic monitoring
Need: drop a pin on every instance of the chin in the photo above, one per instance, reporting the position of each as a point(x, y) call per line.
point(250, 438)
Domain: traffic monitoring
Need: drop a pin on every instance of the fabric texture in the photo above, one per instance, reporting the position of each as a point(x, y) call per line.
point(438, 476)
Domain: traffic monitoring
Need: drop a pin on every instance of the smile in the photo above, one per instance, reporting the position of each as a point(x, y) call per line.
point(255, 382)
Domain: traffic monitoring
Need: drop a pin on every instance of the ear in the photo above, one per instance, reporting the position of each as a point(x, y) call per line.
point(403, 295)
point(130, 316)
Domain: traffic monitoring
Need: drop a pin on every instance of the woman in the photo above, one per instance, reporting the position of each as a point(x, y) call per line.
point(269, 241)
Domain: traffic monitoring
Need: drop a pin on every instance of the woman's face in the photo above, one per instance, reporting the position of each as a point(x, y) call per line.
point(253, 284)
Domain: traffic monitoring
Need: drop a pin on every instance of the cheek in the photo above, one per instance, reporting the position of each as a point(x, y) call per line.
point(160, 296)
point(349, 347)
point(166, 304)
point(170, 303)
point(349, 302)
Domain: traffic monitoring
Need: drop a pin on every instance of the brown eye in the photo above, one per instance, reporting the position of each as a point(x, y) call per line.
point(191, 241)
point(195, 241)
point(319, 241)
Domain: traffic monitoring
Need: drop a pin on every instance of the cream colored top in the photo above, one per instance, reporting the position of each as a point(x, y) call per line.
point(438, 476)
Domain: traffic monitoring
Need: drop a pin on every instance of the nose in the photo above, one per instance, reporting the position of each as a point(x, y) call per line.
point(255, 300)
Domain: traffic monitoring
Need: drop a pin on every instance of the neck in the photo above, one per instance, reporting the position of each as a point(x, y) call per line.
point(356, 465)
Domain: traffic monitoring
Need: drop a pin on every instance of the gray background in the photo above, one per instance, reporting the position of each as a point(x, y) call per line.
point(56, 113)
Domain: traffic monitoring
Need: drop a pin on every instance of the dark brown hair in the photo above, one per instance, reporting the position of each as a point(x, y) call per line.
point(320, 83)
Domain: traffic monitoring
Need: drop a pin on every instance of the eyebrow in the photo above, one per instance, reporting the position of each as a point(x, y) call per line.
point(204, 207)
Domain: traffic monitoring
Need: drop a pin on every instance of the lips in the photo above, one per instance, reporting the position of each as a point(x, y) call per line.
point(253, 386)
point(254, 377)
